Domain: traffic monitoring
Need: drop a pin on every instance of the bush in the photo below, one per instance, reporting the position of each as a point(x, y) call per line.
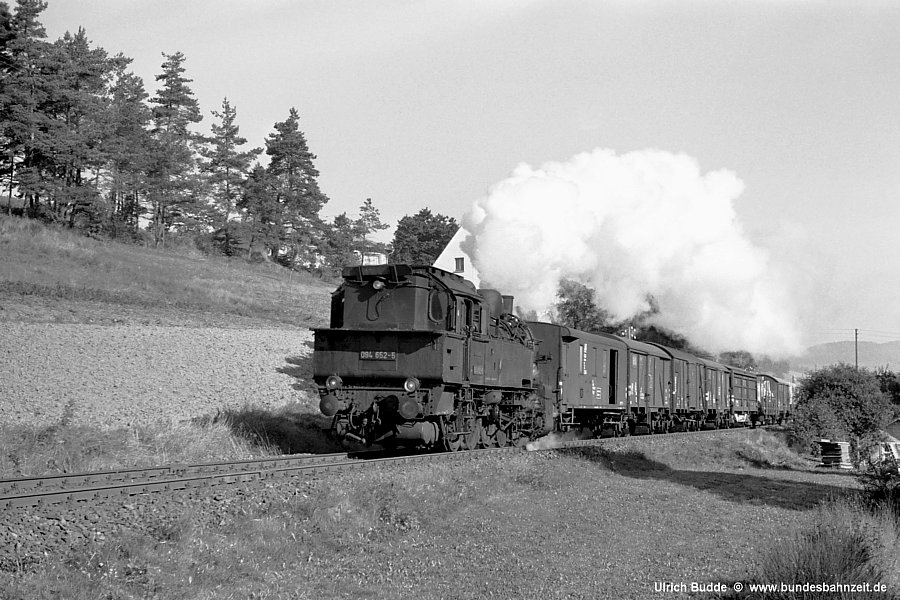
point(846, 544)
point(815, 419)
point(881, 485)
point(841, 402)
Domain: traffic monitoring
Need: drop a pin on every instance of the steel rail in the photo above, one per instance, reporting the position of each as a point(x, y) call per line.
point(57, 489)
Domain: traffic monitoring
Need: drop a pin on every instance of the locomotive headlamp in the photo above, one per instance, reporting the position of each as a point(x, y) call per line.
point(334, 382)
point(378, 284)
point(411, 385)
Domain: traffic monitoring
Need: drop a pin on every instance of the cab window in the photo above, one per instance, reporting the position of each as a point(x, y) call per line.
point(438, 303)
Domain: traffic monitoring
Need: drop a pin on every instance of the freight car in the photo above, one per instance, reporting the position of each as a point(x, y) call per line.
point(775, 399)
point(417, 355)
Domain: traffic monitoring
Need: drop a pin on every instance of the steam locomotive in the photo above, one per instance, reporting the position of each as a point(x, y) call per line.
point(416, 355)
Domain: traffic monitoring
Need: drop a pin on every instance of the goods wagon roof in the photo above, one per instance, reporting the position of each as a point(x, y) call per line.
point(600, 338)
point(713, 364)
point(773, 378)
point(739, 371)
point(679, 354)
point(645, 347)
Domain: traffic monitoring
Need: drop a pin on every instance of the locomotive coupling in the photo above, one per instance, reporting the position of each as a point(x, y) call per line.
point(330, 405)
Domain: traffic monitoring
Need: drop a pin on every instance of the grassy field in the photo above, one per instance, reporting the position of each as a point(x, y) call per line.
point(52, 274)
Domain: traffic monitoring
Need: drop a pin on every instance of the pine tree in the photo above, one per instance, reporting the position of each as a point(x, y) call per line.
point(128, 151)
point(293, 178)
point(262, 220)
point(173, 180)
point(76, 79)
point(369, 222)
point(339, 248)
point(21, 97)
point(7, 69)
point(226, 166)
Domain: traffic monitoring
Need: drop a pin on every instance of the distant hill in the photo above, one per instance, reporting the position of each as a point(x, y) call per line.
point(871, 355)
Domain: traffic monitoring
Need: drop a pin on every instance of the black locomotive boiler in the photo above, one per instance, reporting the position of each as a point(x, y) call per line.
point(417, 355)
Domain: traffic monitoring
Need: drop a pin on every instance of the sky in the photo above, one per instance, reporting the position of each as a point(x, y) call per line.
point(437, 103)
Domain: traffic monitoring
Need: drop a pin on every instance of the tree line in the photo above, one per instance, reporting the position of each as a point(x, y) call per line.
point(85, 145)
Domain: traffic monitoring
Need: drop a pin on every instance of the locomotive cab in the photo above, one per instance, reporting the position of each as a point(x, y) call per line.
point(391, 297)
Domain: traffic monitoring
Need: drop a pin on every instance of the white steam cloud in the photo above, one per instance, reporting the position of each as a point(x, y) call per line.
point(642, 224)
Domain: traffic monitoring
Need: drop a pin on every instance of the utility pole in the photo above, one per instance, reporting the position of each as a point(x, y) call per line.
point(856, 346)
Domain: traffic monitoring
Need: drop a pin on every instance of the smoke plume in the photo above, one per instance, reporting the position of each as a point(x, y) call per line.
point(631, 227)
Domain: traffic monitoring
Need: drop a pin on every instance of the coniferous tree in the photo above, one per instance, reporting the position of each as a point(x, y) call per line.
point(22, 96)
point(6, 32)
point(262, 218)
point(128, 150)
point(369, 222)
point(77, 78)
point(340, 246)
point(7, 68)
point(294, 179)
point(173, 180)
point(226, 166)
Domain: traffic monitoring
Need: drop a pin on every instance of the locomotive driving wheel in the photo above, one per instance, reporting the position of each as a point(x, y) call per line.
point(452, 439)
point(472, 438)
point(461, 433)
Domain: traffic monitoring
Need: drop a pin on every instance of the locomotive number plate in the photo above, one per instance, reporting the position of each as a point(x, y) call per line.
point(377, 355)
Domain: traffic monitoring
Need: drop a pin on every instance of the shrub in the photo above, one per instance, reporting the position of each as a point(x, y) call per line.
point(816, 419)
point(881, 485)
point(846, 544)
point(841, 402)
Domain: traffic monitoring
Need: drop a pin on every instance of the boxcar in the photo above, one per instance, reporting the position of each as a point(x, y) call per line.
point(775, 399)
point(744, 397)
point(649, 377)
point(686, 402)
point(716, 402)
point(585, 373)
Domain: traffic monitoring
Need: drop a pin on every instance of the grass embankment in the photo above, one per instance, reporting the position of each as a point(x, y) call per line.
point(97, 280)
point(229, 435)
point(583, 523)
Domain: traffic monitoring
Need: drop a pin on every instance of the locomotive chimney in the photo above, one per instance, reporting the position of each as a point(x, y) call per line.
point(507, 305)
point(493, 300)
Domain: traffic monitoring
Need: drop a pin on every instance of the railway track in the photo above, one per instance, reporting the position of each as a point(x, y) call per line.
point(68, 488)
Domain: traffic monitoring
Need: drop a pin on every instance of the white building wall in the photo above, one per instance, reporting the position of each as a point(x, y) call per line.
point(455, 260)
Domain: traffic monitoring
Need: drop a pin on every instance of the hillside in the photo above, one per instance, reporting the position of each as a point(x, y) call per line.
point(871, 355)
point(50, 274)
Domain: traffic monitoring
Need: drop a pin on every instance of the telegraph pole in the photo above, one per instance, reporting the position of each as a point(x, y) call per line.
point(856, 346)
